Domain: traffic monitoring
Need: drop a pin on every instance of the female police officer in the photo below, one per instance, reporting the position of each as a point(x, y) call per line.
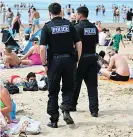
point(60, 36)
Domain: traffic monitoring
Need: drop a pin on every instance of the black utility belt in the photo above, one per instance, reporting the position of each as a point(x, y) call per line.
point(88, 55)
point(61, 55)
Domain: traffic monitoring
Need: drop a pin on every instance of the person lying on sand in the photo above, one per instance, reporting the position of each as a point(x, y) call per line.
point(11, 59)
point(121, 72)
point(31, 77)
point(15, 79)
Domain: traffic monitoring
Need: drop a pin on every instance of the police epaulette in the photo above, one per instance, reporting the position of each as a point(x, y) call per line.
point(65, 19)
point(76, 23)
point(48, 22)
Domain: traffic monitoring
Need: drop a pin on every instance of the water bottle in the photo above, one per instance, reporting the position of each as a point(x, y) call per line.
point(20, 87)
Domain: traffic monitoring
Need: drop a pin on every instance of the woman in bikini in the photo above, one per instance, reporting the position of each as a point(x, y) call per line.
point(5, 103)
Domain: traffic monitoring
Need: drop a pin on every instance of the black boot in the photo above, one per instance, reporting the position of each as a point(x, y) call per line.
point(52, 125)
point(94, 114)
point(67, 118)
point(73, 109)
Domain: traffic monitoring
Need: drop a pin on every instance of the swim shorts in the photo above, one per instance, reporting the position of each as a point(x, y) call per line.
point(36, 22)
point(116, 77)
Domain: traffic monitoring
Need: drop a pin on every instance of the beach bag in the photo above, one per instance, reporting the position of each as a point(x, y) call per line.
point(30, 86)
point(43, 84)
point(12, 89)
point(3, 123)
point(27, 125)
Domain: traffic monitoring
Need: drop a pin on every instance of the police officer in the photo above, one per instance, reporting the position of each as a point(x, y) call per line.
point(60, 36)
point(87, 67)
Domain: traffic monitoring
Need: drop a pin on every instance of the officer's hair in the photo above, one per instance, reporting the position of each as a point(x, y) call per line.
point(55, 8)
point(83, 10)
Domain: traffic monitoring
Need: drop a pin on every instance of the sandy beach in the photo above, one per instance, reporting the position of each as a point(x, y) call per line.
point(115, 104)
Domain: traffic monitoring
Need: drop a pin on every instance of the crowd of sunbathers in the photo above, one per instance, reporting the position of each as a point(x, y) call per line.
point(120, 72)
point(32, 57)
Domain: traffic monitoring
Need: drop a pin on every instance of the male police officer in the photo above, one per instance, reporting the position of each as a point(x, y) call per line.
point(60, 36)
point(87, 68)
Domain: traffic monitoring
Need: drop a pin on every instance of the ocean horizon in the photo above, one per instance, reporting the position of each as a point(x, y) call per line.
point(42, 6)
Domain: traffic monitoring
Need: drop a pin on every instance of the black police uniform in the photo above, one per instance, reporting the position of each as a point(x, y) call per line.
point(87, 68)
point(60, 35)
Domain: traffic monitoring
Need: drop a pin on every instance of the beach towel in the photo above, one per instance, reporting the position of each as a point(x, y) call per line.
point(23, 66)
point(130, 81)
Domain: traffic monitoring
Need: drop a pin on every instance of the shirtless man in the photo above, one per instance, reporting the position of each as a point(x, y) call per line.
point(11, 59)
point(121, 72)
point(35, 18)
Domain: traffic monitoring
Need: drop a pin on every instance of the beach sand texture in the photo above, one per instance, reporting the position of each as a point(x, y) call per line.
point(115, 106)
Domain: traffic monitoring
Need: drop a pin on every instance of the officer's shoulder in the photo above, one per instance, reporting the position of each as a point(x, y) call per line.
point(47, 22)
point(65, 19)
point(92, 24)
point(78, 24)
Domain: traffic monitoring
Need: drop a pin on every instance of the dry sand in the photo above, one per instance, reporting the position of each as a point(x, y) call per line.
point(115, 106)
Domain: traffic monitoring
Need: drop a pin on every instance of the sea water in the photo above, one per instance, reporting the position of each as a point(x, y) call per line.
point(42, 6)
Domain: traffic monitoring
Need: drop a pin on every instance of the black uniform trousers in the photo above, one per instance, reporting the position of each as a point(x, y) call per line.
point(87, 71)
point(60, 67)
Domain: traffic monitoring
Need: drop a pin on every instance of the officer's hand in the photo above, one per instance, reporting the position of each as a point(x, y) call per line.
point(77, 64)
point(46, 69)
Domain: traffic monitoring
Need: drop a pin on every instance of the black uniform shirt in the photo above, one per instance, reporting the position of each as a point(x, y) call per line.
point(60, 35)
point(89, 36)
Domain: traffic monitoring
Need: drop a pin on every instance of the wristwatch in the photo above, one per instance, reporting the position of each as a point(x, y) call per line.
point(45, 65)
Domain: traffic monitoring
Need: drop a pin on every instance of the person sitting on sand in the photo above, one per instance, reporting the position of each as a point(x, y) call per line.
point(121, 72)
point(5, 103)
point(11, 58)
point(33, 55)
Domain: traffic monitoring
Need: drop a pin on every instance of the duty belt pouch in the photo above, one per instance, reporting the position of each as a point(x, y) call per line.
point(74, 55)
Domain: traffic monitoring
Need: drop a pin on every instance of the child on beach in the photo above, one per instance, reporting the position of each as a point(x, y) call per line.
point(117, 38)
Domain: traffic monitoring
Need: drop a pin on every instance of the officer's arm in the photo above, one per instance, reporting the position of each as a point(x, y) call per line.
point(43, 43)
point(97, 36)
point(77, 41)
point(79, 49)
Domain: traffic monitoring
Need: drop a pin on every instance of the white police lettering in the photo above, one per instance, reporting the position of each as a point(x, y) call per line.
point(89, 31)
point(60, 29)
